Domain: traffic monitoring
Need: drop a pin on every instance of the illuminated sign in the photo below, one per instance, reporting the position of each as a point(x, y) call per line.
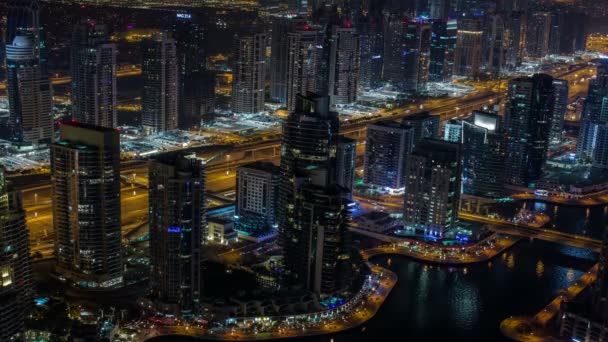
point(174, 230)
point(488, 122)
point(184, 15)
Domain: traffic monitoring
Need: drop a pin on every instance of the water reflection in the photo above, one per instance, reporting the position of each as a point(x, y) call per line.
point(570, 275)
point(588, 221)
point(511, 260)
point(540, 268)
point(431, 302)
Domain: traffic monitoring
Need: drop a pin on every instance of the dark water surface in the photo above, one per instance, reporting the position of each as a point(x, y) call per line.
point(436, 303)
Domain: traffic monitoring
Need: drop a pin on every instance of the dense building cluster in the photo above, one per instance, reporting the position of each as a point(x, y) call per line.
point(313, 61)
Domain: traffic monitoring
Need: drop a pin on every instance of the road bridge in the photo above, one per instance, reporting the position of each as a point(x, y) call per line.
point(540, 233)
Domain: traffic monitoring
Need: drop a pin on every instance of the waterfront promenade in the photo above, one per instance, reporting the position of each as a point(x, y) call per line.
point(535, 328)
point(352, 314)
point(479, 252)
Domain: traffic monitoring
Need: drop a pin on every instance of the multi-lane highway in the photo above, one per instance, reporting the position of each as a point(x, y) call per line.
point(125, 71)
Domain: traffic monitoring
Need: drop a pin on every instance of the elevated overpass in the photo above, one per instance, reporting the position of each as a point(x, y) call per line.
point(535, 232)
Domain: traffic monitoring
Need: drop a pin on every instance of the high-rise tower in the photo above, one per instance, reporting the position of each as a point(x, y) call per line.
point(93, 63)
point(177, 227)
point(27, 80)
point(467, 57)
point(528, 118)
point(432, 187)
point(387, 146)
point(594, 115)
point(344, 65)
point(516, 39)
point(16, 287)
point(483, 155)
point(538, 33)
point(559, 109)
point(159, 70)
point(301, 63)
point(189, 34)
point(282, 48)
point(495, 44)
point(249, 73)
point(371, 29)
point(443, 45)
point(29, 92)
point(313, 214)
point(85, 168)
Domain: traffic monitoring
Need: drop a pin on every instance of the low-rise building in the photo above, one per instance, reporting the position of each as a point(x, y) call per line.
point(221, 231)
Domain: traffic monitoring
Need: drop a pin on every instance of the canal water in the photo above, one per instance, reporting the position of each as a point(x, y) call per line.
point(436, 303)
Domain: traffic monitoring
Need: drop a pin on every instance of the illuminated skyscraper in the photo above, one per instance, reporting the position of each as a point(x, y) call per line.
point(196, 87)
point(159, 70)
point(249, 73)
point(29, 92)
point(301, 63)
point(346, 156)
point(432, 187)
point(600, 151)
point(467, 57)
point(281, 47)
point(16, 286)
point(516, 39)
point(592, 144)
point(372, 50)
point(568, 32)
point(439, 9)
point(93, 63)
point(483, 155)
point(528, 118)
point(392, 71)
point(538, 34)
point(416, 56)
point(495, 44)
point(443, 45)
point(407, 50)
point(344, 65)
point(313, 214)
point(559, 109)
point(387, 146)
point(24, 17)
point(199, 99)
point(27, 80)
point(323, 216)
point(177, 228)
point(85, 169)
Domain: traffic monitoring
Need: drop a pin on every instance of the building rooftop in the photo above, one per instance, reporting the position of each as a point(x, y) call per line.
point(75, 123)
point(261, 166)
point(219, 220)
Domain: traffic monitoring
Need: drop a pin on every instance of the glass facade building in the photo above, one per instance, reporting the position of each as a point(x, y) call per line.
point(177, 230)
